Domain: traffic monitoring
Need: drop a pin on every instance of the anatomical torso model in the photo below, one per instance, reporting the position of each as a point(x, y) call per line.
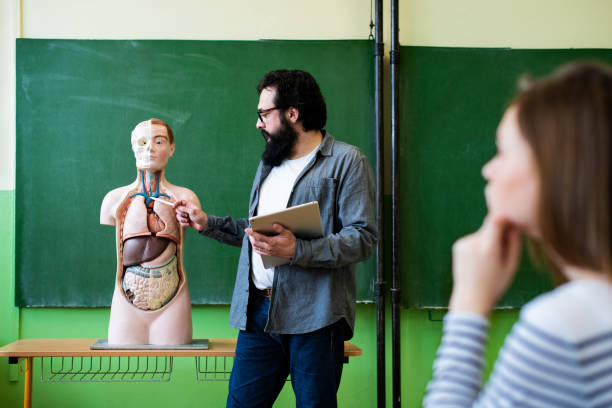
point(151, 303)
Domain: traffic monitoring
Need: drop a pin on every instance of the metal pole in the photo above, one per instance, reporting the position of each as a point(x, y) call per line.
point(379, 52)
point(395, 289)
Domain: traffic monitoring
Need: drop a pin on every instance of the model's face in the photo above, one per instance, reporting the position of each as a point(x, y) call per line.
point(513, 183)
point(151, 146)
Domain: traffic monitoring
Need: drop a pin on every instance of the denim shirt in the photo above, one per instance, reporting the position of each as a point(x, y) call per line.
point(318, 287)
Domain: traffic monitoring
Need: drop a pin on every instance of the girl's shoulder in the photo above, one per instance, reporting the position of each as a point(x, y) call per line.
point(574, 312)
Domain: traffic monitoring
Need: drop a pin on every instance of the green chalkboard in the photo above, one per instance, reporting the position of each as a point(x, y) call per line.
point(77, 102)
point(451, 102)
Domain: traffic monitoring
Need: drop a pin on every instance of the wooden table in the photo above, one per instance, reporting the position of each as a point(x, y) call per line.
point(29, 348)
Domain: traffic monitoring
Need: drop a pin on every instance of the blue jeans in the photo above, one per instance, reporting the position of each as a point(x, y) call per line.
point(263, 361)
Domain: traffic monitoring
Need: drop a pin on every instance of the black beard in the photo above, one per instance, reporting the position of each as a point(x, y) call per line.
point(278, 144)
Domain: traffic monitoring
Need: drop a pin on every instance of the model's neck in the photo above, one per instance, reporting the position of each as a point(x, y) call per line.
point(305, 143)
point(151, 178)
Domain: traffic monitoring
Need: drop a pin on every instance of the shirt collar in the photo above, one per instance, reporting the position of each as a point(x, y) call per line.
point(327, 144)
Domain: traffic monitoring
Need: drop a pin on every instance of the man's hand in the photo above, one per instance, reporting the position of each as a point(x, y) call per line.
point(190, 215)
point(281, 245)
point(484, 264)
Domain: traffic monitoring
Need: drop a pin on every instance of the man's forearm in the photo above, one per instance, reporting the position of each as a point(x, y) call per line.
point(226, 230)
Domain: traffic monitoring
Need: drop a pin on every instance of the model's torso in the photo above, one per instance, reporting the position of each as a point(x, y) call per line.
point(150, 236)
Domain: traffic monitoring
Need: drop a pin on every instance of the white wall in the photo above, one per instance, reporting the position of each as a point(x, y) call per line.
point(472, 23)
point(507, 23)
point(9, 30)
point(197, 19)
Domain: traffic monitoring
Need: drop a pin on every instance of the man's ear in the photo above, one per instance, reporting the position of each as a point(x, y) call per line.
point(292, 115)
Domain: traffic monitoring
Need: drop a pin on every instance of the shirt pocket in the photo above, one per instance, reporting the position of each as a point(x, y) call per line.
point(324, 191)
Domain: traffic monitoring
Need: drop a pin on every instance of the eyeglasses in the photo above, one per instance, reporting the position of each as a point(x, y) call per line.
point(263, 112)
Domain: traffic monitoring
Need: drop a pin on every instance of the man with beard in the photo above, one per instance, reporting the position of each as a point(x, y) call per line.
point(294, 318)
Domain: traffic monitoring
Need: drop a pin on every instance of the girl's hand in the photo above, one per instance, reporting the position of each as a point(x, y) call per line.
point(484, 264)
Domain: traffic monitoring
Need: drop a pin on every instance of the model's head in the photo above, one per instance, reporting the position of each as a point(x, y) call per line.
point(552, 173)
point(153, 144)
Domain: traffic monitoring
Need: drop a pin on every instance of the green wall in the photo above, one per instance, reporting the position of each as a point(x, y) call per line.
point(9, 314)
point(419, 338)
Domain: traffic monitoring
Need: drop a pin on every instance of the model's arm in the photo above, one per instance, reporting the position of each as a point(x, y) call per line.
point(357, 238)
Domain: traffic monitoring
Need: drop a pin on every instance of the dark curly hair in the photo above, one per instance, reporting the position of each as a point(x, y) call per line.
point(298, 89)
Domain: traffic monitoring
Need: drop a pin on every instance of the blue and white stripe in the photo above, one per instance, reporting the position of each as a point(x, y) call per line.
point(559, 361)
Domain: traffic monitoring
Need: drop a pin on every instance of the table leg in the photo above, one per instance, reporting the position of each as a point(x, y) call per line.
point(27, 389)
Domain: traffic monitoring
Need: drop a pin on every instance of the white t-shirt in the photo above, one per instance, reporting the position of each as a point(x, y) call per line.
point(274, 194)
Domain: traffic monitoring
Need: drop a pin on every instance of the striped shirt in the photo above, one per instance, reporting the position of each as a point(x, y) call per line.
point(558, 354)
